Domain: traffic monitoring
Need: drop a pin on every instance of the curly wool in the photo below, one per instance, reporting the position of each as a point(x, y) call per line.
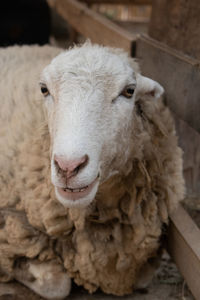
point(107, 244)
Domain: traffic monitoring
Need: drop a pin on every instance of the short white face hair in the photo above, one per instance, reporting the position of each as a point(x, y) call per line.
point(90, 93)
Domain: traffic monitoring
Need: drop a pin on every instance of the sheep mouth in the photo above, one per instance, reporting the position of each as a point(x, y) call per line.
point(75, 190)
point(77, 193)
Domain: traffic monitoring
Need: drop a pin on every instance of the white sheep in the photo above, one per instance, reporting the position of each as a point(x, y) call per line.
point(86, 183)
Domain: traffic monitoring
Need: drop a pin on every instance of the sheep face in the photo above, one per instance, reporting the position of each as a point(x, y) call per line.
point(90, 94)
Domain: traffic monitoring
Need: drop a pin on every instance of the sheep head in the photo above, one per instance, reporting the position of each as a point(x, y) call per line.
point(90, 94)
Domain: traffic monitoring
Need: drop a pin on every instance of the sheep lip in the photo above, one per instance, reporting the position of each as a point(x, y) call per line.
point(77, 193)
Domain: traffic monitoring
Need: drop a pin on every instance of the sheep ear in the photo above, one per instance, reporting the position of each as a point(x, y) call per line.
point(148, 88)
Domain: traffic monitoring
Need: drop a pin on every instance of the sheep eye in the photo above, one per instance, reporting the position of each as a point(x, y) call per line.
point(44, 91)
point(128, 91)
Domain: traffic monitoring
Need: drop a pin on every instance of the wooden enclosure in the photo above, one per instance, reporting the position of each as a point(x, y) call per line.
point(180, 76)
point(177, 23)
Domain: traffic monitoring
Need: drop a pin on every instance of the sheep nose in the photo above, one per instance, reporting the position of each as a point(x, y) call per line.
point(70, 168)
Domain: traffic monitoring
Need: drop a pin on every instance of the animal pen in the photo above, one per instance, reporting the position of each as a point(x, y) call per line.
point(164, 36)
point(180, 76)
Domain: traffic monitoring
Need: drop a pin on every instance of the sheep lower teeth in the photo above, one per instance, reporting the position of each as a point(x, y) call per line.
point(75, 190)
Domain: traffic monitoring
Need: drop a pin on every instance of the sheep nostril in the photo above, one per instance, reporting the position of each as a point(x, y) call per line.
point(76, 170)
point(70, 168)
point(84, 162)
point(58, 169)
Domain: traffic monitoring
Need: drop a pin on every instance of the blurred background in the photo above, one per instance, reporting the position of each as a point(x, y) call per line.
point(37, 22)
point(24, 22)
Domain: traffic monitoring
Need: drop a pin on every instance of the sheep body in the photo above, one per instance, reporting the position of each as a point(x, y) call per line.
point(107, 244)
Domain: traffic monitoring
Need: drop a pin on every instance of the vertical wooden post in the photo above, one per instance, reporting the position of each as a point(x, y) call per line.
point(184, 247)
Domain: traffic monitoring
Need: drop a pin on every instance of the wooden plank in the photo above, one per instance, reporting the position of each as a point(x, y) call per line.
point(189, 141)
point(137, 26)
point(179, 74)
point(177, 24)
point(94, 26)
point(184, 248)
point(124, 2)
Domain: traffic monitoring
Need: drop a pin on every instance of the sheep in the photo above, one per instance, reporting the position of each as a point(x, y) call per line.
point(89, 171)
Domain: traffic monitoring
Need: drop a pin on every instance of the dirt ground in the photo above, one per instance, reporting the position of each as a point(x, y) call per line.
point(167, 285)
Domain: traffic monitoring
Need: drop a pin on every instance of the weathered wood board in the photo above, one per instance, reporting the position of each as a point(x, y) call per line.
point(184, 248)
point(177, 24)
point(189, 141)
point(179, 74)
point(94, 26)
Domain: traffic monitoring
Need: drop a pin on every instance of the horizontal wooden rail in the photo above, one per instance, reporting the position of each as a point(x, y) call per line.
point(94, 26)
point(179, 74)
point(124, 2)
point(184, 248)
